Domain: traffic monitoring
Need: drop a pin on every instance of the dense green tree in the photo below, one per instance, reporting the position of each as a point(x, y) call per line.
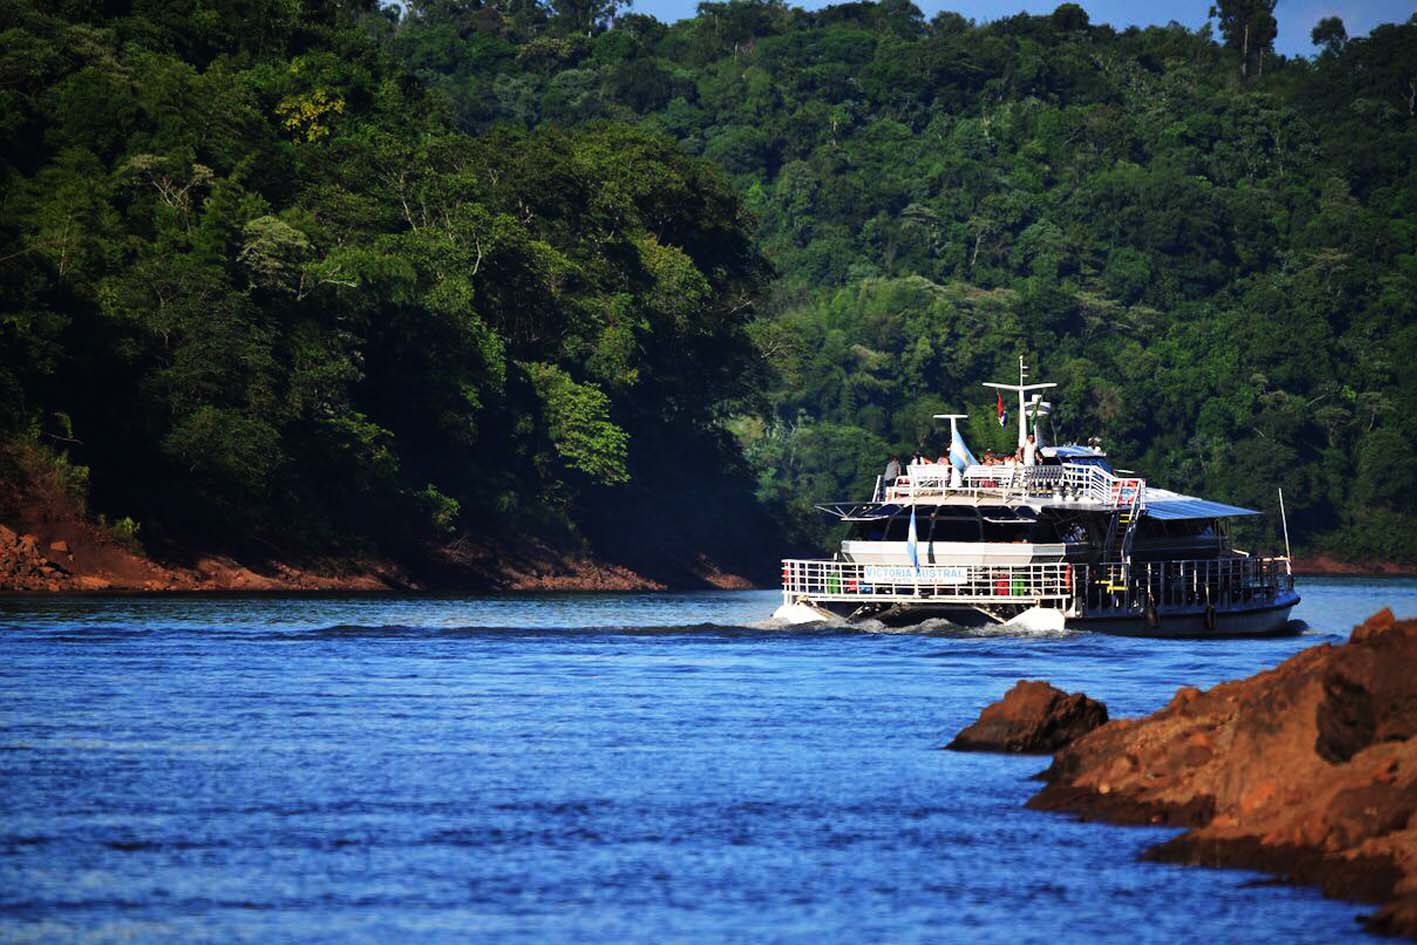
point(499, 265)
point(1249, 26)
point(1330, 34)
point(259, 286)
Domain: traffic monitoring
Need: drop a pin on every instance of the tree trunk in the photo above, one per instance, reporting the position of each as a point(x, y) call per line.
point(1245, 54)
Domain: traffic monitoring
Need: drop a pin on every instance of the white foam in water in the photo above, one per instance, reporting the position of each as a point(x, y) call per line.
point(799, 613)
point(799, 617)
point(802, 617)
point(938, 626)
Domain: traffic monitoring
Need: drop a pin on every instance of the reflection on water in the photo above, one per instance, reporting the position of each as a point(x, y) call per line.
point(605, 768)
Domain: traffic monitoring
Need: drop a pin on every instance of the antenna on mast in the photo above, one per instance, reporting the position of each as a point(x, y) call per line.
point(1021, 388)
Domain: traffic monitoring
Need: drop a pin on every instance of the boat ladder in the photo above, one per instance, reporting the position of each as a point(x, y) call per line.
point(1124, 521)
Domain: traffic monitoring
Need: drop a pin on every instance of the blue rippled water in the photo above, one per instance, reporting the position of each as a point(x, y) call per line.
point(578, 768)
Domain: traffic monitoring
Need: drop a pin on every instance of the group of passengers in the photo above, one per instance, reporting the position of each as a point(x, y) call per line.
point(1026, 455)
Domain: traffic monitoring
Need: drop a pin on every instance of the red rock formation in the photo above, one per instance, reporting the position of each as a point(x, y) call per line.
point(1032, 718)
point(1308, 771)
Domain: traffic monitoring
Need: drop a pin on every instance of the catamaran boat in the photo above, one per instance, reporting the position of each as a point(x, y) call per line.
point(1067, 542)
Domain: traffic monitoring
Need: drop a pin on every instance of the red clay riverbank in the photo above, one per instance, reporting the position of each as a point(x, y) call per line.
point(70, 556)
point(48, 544)
point(1327, 565)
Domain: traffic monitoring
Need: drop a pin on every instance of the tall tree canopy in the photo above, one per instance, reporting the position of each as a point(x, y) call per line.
point(1218, 269)
point(257, 283)
point(396, 276)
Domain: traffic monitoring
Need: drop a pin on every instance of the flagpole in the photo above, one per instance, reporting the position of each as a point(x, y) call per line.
point(1022, 416)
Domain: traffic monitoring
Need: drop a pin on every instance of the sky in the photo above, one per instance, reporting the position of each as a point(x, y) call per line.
point(1296, 17)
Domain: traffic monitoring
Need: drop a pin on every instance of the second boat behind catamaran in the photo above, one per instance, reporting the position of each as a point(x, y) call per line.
point(1053, 538)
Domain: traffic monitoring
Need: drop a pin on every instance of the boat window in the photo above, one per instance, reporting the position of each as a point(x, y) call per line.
point(954, 528)
point(946, 528)
point(1178, 528)
point(1006, 531)
point(869, 531)
point(1044, 532)
point(899, 528)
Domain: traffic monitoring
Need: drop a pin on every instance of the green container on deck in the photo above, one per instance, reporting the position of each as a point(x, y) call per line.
point(833, 585)
point(1020, 586)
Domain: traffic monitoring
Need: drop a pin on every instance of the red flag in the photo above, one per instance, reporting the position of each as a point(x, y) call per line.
point(1003, 414)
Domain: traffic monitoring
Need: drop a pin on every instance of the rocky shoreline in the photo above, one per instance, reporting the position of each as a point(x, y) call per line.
point(1307, 771)
point(49, 544)
point(78, 558)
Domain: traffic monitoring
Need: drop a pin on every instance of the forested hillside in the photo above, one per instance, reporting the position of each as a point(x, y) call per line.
point(325, 275)
point(261, 293)
point(1212, 248)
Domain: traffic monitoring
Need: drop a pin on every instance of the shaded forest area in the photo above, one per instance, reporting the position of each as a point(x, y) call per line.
point(323, 277)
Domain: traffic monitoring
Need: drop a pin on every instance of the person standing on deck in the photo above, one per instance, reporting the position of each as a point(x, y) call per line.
point(892, 470)
point(1030, 452)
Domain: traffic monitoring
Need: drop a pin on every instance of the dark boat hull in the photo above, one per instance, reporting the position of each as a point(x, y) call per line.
point(1269, 619)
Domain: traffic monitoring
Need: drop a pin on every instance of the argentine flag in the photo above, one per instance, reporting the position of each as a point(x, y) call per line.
point(960, 456)
point(910, 547)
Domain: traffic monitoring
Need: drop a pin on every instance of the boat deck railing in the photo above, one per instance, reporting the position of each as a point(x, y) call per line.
point(1186, 585)
point(1068, 481)
point(1108, 588)
point(855, 581)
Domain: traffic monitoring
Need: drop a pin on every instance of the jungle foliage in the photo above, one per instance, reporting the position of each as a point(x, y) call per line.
point(1213, 248)
point(256, 282)
point(390, 276)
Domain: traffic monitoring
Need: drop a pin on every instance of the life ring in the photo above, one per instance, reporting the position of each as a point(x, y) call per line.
point(1210, 618)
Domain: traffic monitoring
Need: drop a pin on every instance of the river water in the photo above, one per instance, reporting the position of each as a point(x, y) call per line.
point(579, 768)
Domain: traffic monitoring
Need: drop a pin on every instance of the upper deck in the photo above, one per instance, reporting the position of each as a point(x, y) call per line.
point(1088, 485)
point(1071, 477)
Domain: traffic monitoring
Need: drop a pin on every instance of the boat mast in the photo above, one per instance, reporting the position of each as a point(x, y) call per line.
point(1022, 390)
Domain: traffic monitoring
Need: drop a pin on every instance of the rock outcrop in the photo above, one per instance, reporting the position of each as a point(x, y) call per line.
point(1032, 718)
point(1307, 771)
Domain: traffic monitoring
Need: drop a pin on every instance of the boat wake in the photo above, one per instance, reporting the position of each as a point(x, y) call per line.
point(111, 634)
point(931, 627)
point(939, 627)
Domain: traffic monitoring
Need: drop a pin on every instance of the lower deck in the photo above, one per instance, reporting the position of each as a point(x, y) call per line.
point(1238, 595)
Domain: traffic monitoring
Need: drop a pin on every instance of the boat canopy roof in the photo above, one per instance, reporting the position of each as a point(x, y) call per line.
point(861, 511)
point(1172, 506)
